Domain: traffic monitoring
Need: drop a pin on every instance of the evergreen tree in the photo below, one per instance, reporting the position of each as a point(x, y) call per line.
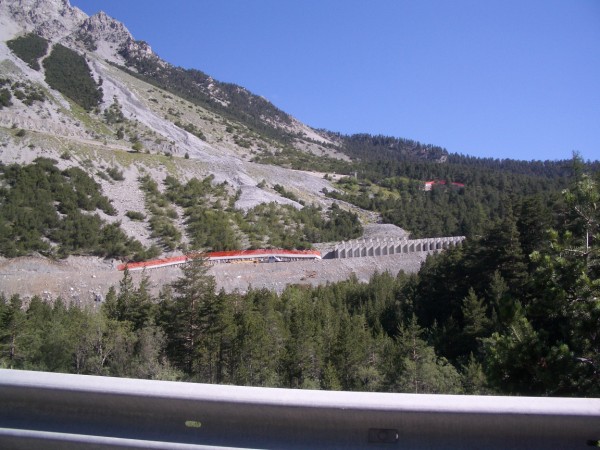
point(184, 316)
point(330, 380)
point(46, 337)
point(417, 367)
point(473, 378)
point(256, 347)
point(302, 358)
point(218, 333)
point(533, 222)
point(476, 323)
point(12, 321)
point(501, 299)
point(551, 347)
point(500, 250)
point(515, 357)
point(350, 351)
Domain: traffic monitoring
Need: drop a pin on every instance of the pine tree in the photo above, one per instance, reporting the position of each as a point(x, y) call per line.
point(500, 250)
point(218, 332)
point(256, 348)
point(473, 377)
point(134, 305)
point(513, 358)
point(417, 368)
point(503, 304)
point(46, 337)
point(185, 318)
point(125, 298)
point(566, 305)
point(350, 351)
point(12, 321)
point(302, 358)
point(533, 222)
point(330, 380)
point(475, 321)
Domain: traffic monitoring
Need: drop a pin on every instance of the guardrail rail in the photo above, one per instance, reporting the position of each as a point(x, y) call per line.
point(41, 410)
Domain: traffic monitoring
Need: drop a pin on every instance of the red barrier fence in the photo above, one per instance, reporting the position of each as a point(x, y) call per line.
point(228, 256)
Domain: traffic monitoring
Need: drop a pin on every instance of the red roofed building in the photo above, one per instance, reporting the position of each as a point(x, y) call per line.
point(428, 185)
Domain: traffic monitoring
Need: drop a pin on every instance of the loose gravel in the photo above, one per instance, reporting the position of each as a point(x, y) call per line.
point(85, 280)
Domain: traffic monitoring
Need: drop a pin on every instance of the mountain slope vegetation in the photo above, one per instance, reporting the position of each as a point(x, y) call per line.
point(482, 318)
point(68, 72)
point(161, 160)
point(30, 48)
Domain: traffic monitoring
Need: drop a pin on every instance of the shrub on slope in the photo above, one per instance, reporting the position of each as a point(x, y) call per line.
point(68, 72)
point(30, 48)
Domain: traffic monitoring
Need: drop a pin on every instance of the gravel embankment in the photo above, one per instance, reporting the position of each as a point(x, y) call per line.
point(84, 280)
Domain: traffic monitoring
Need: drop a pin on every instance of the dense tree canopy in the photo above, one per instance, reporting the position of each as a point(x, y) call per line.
point(68, 72)
point(482, 318)
point(46, 210)
point(30, 48)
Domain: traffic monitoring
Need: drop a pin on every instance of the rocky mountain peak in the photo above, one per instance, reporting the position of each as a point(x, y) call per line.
point(58, 21)
point(51, 19)
point(103, 27)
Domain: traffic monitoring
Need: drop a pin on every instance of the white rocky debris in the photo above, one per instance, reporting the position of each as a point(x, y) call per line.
point(57, 130)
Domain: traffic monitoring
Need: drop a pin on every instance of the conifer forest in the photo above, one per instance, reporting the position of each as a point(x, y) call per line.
point(514, 310)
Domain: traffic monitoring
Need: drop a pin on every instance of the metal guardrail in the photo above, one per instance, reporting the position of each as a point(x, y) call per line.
point(41, 410)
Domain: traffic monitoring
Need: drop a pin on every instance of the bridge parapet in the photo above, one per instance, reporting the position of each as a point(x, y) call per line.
point(391, 246)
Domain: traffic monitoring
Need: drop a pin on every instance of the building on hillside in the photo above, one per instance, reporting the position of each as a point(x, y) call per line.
point(428, 185)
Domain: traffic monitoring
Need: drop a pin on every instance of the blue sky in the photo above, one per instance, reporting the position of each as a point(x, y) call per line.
point(497, 78)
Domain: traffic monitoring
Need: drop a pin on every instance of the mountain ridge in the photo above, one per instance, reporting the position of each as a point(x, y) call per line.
point(137, 129)
point(162, 134)
point(111, 41)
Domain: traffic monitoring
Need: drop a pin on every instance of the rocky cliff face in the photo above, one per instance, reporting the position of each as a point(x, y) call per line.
point(103, 27)
point(155, 132)
point(110, 39)
point(58, 21)
point(51, 19)
point(157, 120)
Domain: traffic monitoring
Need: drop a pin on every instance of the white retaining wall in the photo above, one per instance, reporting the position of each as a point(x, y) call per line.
point(385, 247)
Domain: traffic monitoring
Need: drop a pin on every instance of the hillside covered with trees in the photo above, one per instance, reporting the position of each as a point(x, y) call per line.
point(512, 311)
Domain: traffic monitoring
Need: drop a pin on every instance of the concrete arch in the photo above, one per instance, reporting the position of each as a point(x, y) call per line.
point(376, 248)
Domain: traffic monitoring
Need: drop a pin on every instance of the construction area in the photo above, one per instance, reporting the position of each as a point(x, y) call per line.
point(85, 280)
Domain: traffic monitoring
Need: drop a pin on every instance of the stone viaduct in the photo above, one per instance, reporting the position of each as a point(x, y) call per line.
point(384, 247)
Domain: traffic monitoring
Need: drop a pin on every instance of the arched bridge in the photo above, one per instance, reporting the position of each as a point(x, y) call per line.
point(384, 247)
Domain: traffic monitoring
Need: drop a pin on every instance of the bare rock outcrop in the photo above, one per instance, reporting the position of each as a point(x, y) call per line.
point(51, 19)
